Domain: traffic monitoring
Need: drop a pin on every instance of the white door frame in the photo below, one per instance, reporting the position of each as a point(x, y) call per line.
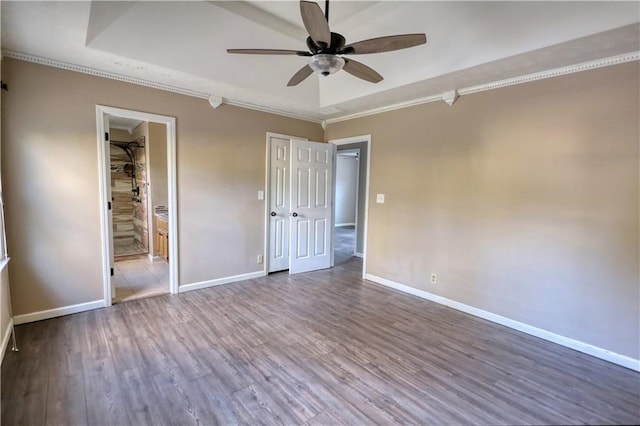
point(105, 181)
point(267, 192)
point(346, 141)
point(147, 183)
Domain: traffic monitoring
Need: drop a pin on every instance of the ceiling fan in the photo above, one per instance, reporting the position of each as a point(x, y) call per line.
point(325, 47)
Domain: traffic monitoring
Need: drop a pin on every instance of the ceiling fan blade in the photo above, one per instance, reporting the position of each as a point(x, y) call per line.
point(362, 71)
point(384, 44)
point(298, 77)
point(315, 22)
point(269, 52)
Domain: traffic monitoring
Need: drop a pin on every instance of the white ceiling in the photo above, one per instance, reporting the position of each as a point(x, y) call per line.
point(123, 123)
point(182, 44)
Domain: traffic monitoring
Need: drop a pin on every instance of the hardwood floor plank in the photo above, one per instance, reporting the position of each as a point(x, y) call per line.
point(66, 404)
point(225, 368)
point(264, 407)
point(317, 395)
point(105, 403)
point(24, 386)
point(28, 410)
point(144, 403)
point(319, 348)
point(298, 398)
point(214, 403)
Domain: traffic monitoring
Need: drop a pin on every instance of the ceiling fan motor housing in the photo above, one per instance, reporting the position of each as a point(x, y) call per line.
point(337, 43)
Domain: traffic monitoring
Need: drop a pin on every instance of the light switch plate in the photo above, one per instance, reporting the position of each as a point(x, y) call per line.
point(380, 198)
point(260, 195)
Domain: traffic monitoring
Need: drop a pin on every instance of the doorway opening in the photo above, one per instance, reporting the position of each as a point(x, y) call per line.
point(352, 199)
point(346, 204)
point(129, 188)
point(137, 170)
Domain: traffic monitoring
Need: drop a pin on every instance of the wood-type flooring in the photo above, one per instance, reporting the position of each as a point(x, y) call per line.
point(320, 348)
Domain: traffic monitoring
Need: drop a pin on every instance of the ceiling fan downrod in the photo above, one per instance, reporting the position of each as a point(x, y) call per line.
point(326, 10)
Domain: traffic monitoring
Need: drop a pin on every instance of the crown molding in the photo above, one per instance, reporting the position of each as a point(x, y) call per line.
point(584, 66)
point(393, 107)
point(98, 73)
point(255, 107)
point(160, 86)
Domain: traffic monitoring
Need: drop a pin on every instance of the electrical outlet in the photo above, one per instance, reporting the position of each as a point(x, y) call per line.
point(434, 278)
point(260, 258)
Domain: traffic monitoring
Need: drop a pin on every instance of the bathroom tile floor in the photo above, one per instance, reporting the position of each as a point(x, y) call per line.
point(128, 248)
point(138, 278)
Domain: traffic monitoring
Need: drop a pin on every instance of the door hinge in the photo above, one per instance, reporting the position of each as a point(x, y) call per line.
point(106, 136)
point(112, 272)
point(108, 205)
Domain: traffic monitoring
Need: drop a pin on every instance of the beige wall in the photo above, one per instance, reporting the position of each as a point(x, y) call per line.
point(158, 163)
point(524, 201)
point(157, 172)
point(50, 173)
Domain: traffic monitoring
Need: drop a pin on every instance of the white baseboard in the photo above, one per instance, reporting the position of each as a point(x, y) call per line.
point(220, 281)
point(358, 254)
point(153, 258)
point(344, 224)
point(57, 312)
point(623, 360)
point(5, 339)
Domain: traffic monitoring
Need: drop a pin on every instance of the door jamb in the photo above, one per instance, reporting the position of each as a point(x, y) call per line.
point(267, 192)
point(356, 139)
point(105, 179)
point(150, 212)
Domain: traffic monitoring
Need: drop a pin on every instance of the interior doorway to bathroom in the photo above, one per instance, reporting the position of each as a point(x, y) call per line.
point(138, 186)
point(138, 166)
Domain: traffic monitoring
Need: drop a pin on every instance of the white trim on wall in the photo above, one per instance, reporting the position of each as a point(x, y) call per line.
point(57, 312)
point(5, 339)
point(146, 83)
point(149, 190)
point(623, 360)
point(358, 139)
point(527, 78)
point(584, 66)
point(221, 281)
point(104, 180)
point(345, 224)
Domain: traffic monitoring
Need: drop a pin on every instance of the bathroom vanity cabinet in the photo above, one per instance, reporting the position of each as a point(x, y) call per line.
point(162, 237)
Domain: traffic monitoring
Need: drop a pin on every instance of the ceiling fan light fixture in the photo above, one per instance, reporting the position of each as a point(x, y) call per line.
point(326, 64)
